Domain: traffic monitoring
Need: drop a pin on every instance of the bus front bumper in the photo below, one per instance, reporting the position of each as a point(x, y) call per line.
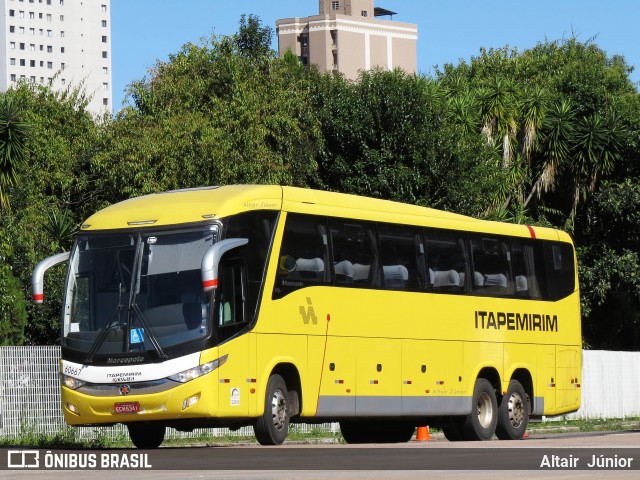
point(194, 399)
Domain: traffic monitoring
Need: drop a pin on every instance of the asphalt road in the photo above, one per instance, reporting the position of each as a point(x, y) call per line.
point(575, 455)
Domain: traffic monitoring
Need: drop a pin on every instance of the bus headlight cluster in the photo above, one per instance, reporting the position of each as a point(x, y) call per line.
point(71, 382)
point(195, 372)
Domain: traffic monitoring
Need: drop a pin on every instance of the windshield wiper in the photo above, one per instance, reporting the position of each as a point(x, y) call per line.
point(133, 306)
point(147, 328)
point(109, 327)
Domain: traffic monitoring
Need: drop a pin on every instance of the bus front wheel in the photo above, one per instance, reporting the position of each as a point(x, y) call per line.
point(272, 427)
point(481, 423)
point(146, 435)
point(513, 413)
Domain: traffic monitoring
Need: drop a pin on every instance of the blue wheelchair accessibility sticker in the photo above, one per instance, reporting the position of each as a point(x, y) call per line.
point(137, 335)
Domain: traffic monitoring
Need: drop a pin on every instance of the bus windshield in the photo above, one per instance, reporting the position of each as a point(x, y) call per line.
point(136, 292)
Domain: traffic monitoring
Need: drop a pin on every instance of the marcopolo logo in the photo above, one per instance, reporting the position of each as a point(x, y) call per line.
point(308, 314)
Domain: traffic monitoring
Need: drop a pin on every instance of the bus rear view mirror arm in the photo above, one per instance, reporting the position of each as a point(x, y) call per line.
point(37, 279)
point(212, 258)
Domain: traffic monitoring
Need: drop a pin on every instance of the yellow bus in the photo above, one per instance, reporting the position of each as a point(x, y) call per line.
point(268, 305)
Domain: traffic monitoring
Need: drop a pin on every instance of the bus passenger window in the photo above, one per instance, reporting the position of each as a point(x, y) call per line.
point(525, 267)
point(491, 259)
point(355, 254)
point(402, 257)
point(560, 268)
point(303, 256)
point(447, 262)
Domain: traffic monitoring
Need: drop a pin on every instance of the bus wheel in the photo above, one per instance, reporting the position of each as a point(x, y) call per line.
point(513, 414)
point(481, 423)
point(377, 431)
point(454, 431)
point(353, 432)
point(146, 435)
point(272, 427)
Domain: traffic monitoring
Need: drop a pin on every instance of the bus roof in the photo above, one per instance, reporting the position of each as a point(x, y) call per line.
point(204, 204)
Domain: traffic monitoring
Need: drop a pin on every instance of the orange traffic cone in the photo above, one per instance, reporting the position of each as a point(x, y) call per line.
point(422, 435)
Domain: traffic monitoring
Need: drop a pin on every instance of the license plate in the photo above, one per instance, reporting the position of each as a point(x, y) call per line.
point(126, 407)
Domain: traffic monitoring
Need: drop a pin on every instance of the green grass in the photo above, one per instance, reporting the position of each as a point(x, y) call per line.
point(67, 438)
point(593, 425)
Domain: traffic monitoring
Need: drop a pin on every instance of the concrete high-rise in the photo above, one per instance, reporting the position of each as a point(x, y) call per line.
point(348, 36)
point(64, 43)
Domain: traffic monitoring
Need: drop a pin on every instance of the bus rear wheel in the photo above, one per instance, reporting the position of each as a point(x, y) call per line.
point(513, 413)
point(481, 422)
point(273, 426)
point(146, 435)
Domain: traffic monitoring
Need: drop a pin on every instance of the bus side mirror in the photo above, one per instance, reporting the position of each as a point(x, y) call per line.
point(37, 279)
point(212, 258)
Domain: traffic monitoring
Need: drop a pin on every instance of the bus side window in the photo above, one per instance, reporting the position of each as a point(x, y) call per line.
point(402, 257)
point(355, 254)
point(304, 255)
point(560, 266)
point(447, 261)
point(491, 258)
point(526, 270)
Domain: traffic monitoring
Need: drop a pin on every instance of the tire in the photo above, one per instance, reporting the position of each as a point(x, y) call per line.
point(513, 413)
point(481, 423)
point(454, 431)
point(273, 426)
point(146, 435)
point(377, 431)
point(354, 432)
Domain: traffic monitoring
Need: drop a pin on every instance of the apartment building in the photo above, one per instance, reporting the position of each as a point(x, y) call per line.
point(64, 43)
point(349, 36)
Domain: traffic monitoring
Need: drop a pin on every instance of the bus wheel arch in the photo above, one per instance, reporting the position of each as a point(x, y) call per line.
point(291, 377)
point(523, 376)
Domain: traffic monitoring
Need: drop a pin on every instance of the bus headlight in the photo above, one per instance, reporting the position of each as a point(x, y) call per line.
point(71, 382)
point(195, 372)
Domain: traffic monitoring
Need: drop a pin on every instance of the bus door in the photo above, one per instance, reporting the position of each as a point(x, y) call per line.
point(235, 378)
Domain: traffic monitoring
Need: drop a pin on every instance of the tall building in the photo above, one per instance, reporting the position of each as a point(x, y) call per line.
point(349, 36)
point(65, 43)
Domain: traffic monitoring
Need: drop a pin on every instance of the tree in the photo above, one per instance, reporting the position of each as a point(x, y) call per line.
point(224, 111)
point(13, 312)
point(53, 178)
point(13, 133)
point(390, 135)
point(610, 267)
point(555, 109)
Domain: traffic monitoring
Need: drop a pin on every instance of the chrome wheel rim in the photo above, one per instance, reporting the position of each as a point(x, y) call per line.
point(485, 410)
point(279, 410)
point(516, 410)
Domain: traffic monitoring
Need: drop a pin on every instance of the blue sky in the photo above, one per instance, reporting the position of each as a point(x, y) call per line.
point(145, 31)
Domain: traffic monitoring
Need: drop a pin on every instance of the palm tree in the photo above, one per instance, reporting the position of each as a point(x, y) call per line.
point(13, 135)
point(498, 112)
point(533, 106)
point(463, 109)
point(60, 228)
point(598, 146)
point(555, 144)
